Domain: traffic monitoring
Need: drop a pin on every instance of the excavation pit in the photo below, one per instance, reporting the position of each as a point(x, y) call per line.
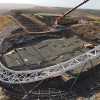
point(43, 52)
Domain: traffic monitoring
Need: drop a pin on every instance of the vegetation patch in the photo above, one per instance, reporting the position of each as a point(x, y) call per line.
point(97, 21)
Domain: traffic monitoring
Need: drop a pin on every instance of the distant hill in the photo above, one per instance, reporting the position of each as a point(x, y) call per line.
point(93, 12)
point(4, 8)
point(61, 10)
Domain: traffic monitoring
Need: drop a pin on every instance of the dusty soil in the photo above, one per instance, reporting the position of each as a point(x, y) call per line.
point(89, 32)
point(3, 95)
point(4, 22)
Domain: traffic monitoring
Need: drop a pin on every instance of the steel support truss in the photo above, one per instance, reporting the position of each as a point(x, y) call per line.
point(90, 58)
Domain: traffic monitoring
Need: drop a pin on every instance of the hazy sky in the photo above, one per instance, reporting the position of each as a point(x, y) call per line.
point(92, 4)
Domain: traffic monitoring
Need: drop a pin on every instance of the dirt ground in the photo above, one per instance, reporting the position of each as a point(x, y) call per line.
point(4, 22)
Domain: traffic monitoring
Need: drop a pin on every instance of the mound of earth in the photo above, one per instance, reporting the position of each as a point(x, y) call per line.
point(89, 32)
point(5, 21)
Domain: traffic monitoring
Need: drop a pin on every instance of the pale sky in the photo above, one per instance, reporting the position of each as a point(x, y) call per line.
point(92, 4)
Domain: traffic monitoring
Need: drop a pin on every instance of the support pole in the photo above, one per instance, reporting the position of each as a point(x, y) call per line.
point(66, 13)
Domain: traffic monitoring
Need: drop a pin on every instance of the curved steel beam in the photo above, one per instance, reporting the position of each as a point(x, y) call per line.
point(17, 77)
